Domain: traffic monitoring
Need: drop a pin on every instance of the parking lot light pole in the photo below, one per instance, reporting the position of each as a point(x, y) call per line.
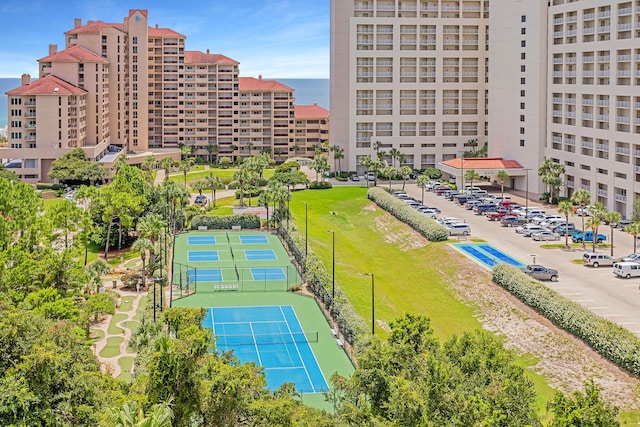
point(526, 198)
point(333, 264)
point(373, 308)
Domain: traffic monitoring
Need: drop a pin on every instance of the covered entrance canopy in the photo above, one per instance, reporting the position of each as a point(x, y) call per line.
point(485, 166)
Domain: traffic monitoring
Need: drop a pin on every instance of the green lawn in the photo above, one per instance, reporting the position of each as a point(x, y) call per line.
point(49, 203)
point(126, 304)
point(113, 329)
point(96, 334)
point(226, 175)
point(125, 363)
point(112, 348)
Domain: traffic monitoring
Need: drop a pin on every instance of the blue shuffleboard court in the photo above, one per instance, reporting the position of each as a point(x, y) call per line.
point(260, 255)
point(201, 240)
point(253, 240)
point(202, 255)
point(268, 273)
point(205, 275)
point(487, 255)
point(270, 336)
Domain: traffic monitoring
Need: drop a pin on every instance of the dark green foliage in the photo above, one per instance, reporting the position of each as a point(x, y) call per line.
point(288, 166)
point(226, 222)
point(583, 409)
point(320, 185)
point(608, 339)
point(421, 223)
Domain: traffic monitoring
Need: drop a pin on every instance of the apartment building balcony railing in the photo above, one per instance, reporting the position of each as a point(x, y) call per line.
point(623, 150)
point(570, 141)
point(624, 73)
point(586, 144)
point(625, 27)
point(30, 138)
point(623, 119)
point(602, 193)
point(637, 169)
point(621, 198)
point(604, 73)
point(29, 103)
point(588, 30)
point(570, 184)
point(587, 116)
point(556, 139)
point(603, 102)
point(604, 14)
point(602, 147)
point(602, 117)
point(587, 73)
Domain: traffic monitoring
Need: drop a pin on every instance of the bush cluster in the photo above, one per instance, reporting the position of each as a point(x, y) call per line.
point(608, 339)
point(424, 225)
point(319, 282)
point(320, 185)
point(287, 166)
point(225, 222)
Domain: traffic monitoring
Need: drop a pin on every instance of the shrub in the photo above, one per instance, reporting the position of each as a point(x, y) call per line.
point(254, 192)
point(287, 166)
point(44, 186)
point(320, 185)
point(319, 282)
point(225, 222)
point(609, 340)
point(419, 222)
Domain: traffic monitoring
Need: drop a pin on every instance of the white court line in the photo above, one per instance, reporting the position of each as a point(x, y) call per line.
point(584, 300)
point(612, 315)
point(602, 307)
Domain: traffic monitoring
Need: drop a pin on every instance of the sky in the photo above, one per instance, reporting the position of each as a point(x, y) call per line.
point(272, 38)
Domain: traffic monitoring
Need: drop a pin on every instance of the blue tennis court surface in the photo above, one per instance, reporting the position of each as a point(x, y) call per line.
point(268, 273)
point(205, 275)
point(487, 254)
point(201, 240)
point(260, 255)
point(252, 240)
point(202, 255)
point(272, 337)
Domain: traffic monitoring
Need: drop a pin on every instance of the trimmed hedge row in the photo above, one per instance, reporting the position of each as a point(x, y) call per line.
point(319, 282)
point(424, 225)
point(225, 222)
point(320, 185)
point(611, 341)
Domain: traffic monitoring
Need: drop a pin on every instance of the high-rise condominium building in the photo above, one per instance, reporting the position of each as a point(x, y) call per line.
point(408, 75)
point(556, 80)
point(131, 88)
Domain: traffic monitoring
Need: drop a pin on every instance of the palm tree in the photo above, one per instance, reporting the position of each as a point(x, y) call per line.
point(96, 270)
point(421, 182)
point(405, 171)
point(143, 245)
point(551, 172)
point(502, 175)
point(263, 200)
point(242, 177)
point(593, 223)
point(212, 148)
point(394, 153)
point(185, 166)
point(166, 164)
point(200, 186)
point(338, 155)
point(389, 171)
point(377, 146)
point(471, 175)
point(612, 218)
point(213, 183)
point(375, 167)
point(566, 208)
point(634, 230)
point(582, 198)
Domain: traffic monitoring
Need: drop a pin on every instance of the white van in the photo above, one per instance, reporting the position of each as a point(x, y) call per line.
point(459, 229)
point(626, 269)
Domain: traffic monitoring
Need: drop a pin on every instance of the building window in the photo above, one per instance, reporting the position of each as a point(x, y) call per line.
point(523, 68)
point(522, 117)
point(522, 80)
point(521, 131)
point(523, 31)
point(134, 40)
point(523, 43)
point(523, 18)
point(522, 92)
point(522, 143)
point(523, 55)
point(522, 105)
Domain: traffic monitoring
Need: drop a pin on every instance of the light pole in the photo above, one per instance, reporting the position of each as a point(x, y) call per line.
point(461, 170)
point(373, 308)
point(306, 233)
point(526, 197)
point(333, 264)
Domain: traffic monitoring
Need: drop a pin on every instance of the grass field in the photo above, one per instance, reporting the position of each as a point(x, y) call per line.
point(407, 278)
point(226, 175)
point(112, 348)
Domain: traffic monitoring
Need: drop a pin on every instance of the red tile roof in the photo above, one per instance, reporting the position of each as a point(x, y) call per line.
point(250, 83)
point(73, 54)
point(94, 27)
point(311, 112)
point(164, 32)
point(197, 57)
point(144, 12)
point(483, 163)
point(48, 85)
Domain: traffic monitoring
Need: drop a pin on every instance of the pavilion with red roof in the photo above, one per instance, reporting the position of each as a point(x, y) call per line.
point(485, 166)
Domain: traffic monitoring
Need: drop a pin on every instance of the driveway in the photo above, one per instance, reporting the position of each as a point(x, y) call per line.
point(597, 289)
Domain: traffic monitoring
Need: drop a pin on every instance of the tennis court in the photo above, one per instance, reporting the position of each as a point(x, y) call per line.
point(254, 240)
point(201, 240)
point(205, 275)
point(268, 273)
point(260, 255)
point(202, 255)
point(272, 337)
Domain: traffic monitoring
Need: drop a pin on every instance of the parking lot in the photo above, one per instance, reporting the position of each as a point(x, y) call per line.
point(598, 289)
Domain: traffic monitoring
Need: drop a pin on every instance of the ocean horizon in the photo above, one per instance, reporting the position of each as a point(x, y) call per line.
point(307, 91)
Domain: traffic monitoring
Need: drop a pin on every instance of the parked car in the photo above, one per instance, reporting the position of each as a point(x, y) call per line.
point(541, 273)
point(626, 269)
point(583, 211)
point(544, 218)
point(561, 229)
point(459, 229)
point(511, 221)
point(472, 204)
point(631, 257)
point(370, 176)
point(595, 260)
point(200, 200)
point(528, 229)
point(484, 208)
point(354, 177)
point(531, 212)
point(587, 236)
point(545, 235)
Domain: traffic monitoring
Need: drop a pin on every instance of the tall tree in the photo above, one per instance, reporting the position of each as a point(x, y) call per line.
point(143, 245)
point(394, 153)
point(185, 167)
point(471, 175)
point(612, 217)
point(421, 182)
point(242, 177)
point(566, 208)
point(65, 216)
point(405, 171)
point(502, 175)
point(166, 164)
point(213, 183)
point(551, 174)
point(586, 408)
point(634, 230)
point(320, 165)
point(581, 198)
point(389, 171)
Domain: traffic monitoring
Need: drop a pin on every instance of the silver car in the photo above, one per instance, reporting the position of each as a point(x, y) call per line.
point(545, 235)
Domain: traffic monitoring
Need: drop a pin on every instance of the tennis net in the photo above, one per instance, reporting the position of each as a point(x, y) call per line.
point(231, 249)
point(258, 339)
point(237, 273)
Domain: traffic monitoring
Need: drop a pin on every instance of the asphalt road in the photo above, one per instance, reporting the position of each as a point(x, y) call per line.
point(597, 289)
